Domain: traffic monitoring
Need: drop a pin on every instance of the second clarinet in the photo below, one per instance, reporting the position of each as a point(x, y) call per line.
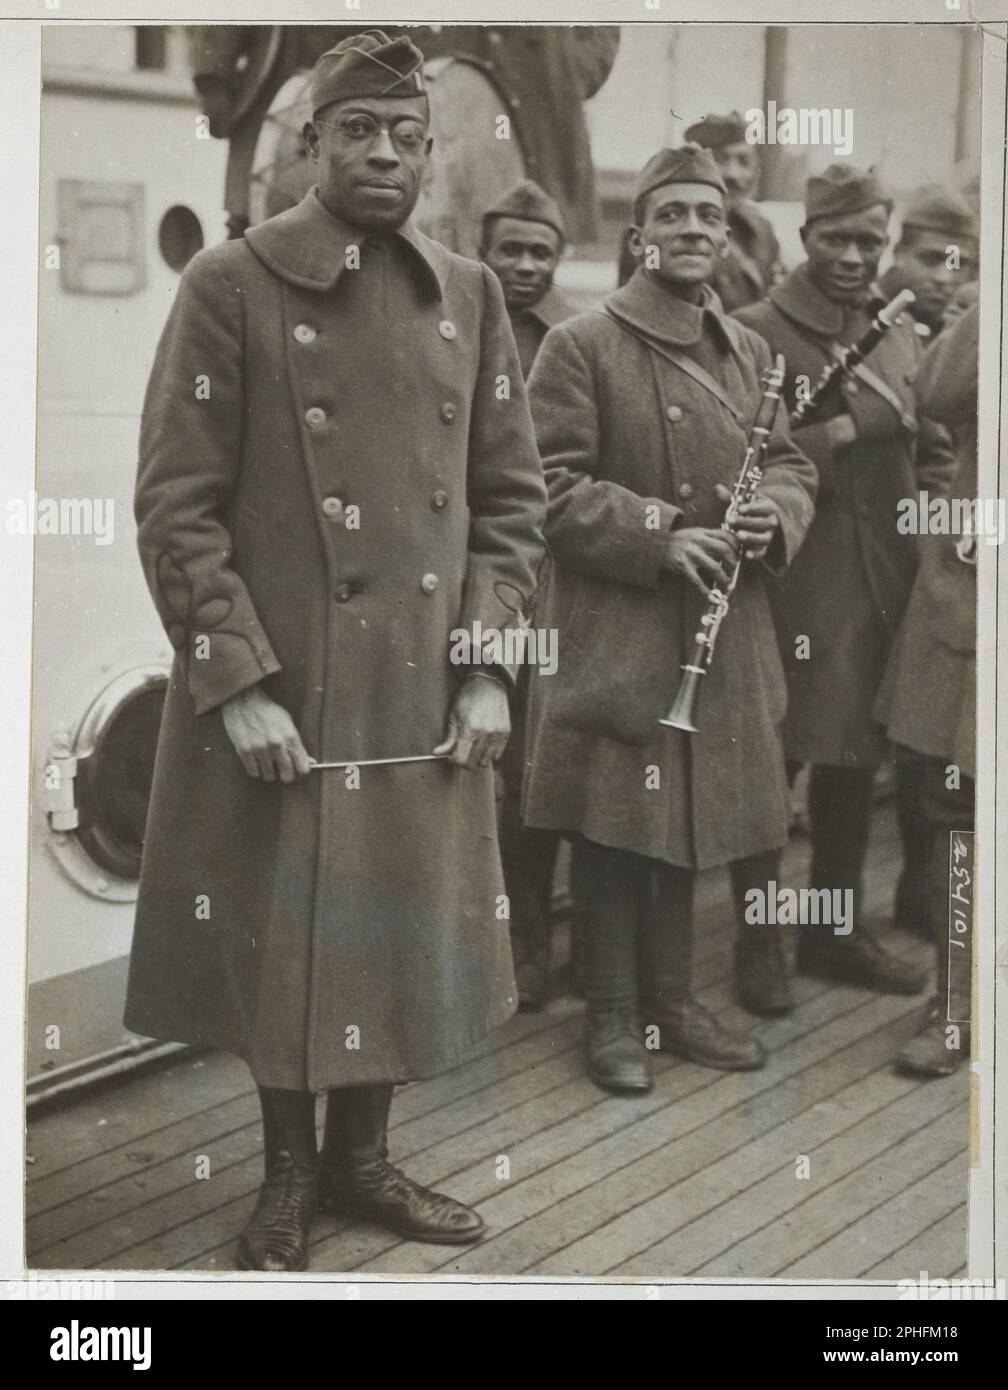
point(682, 715)
point(849, 357)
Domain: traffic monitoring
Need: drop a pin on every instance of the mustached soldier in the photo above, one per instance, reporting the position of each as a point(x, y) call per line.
point(349, 487)
point(642, 416)
point(751, 265)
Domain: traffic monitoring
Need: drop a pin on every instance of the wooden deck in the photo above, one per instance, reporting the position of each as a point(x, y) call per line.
point(697, 1178)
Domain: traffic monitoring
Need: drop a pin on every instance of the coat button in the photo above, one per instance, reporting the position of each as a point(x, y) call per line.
point(673, 413)
point(447, 329)
point(851, 387)
point(304, 333)
point(429, 583)
point(439, 500)
point(685, 491)
point(315, 417)
point(332, 506)
point(448, 412)
point(344, 593)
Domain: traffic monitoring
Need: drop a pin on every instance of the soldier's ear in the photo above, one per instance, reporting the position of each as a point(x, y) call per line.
point(635, 241)
point(311, 138)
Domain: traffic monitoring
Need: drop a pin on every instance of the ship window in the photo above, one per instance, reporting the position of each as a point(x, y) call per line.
point(180, 236)
point(150, 47)
point(114, 783)
point(101, 228)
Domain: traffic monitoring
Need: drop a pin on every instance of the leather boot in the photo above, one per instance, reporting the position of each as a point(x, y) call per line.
point(856, 959)
point(689, 1030)
point(761, 972)
point(928, 1053)
point(617, 1058)
point(357, 1177)
point(276, 1237)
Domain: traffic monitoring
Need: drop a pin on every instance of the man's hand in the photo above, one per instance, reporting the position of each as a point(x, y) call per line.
point(756, 523)
point(264, 737)
point(479, 723)
point(703, 556)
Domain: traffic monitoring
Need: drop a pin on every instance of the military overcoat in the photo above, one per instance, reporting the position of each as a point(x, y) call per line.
point(332, 478)
point(928, 696)
point(632, 446)
point(848, 590)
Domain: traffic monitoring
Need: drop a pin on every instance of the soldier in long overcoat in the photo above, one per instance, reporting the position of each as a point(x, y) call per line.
point(642, 414)
point(522, 238)
point(838, 608)
point(332, 481)
point(928, 700)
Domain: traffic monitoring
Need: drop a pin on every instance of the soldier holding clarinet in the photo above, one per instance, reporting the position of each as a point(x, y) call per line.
point(838, 608)
point(643, 412)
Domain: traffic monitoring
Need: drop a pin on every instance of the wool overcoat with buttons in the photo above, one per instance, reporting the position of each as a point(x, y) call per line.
point(849, 589)
point(631, 447)
point(333, 476)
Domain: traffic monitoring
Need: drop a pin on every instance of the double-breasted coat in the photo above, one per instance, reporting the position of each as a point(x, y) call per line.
point(331, 479)
point(849, 587)
point(632, 446)
point(928, 696)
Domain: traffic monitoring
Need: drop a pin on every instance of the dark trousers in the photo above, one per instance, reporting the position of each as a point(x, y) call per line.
point(528, 857)
point(637, 916)
point(839, 808)
point(943, 811)
point(840, 802)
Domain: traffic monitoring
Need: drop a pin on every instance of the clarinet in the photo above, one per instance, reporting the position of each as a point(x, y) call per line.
point(682, 715)
point(851, 356)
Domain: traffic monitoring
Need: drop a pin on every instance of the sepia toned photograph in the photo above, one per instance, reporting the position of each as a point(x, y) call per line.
point(504, 756)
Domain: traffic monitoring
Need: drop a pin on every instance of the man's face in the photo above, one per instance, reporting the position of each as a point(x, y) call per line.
point(844, 252)
point(739, 165)
point(371, 154)
point(921, 265)
point(686, 222)
point(523, 256)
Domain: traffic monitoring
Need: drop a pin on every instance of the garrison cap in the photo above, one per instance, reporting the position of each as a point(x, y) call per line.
point(938, 209)
point(842, 189)
point(712, 132)
point(687, 164)
point(368, 65)
point(529, 203)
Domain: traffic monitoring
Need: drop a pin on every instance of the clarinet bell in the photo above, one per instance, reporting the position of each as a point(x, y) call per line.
point(682, 715)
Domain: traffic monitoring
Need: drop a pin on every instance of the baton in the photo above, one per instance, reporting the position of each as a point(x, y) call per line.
point(381, 762)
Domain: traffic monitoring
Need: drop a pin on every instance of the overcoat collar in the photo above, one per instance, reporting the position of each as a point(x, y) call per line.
point(798, 298)
point(648, 308)
point(552, 309)
point(306, 246)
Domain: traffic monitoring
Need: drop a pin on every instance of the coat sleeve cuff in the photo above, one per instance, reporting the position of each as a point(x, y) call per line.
point(231, 665)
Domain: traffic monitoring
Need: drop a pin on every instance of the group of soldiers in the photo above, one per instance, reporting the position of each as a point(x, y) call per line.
point(370, 473)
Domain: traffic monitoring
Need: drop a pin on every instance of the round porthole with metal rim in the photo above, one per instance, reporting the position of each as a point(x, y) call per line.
point(98, 783)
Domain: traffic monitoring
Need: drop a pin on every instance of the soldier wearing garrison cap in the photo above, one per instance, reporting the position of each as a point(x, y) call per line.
point(313, 533)
point(935, 256)
point(839, 606)
point(752, 264)
point(642, 414)
point(522, 239)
